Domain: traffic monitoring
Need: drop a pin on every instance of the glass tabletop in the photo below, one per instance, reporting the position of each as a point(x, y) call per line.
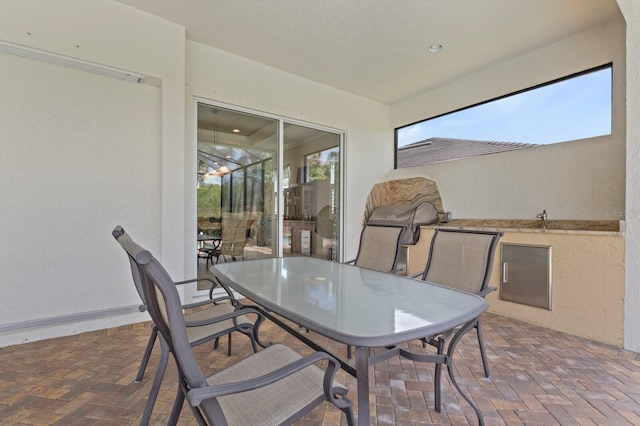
point(349, 304)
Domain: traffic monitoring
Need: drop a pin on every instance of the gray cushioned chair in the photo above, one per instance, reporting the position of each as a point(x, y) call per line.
point(460, 259)
point(210, 322)
point(273, 386)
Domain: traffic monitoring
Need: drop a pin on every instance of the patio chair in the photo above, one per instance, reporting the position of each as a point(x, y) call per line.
point(460, 259)
point(198, 333)
point(379, 248)
point(273, 386)
point(234, 238)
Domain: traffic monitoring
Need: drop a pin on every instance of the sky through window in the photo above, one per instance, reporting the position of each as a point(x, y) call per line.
point(574, 108)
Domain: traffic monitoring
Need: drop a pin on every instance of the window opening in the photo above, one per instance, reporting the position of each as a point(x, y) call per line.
point(571, 108)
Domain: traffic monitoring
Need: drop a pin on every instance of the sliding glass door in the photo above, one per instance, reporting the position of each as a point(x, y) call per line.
point(238, 181)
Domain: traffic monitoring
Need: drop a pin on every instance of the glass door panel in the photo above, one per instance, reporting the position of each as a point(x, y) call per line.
point(311, 159)
point(237, 156)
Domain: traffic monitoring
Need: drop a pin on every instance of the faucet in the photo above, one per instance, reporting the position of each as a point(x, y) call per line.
point(543, 216)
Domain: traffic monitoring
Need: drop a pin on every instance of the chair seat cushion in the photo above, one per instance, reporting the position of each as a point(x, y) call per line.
point(197, 334)
point(272, 404)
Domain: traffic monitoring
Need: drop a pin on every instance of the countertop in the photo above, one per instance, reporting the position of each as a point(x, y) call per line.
point(596, 227)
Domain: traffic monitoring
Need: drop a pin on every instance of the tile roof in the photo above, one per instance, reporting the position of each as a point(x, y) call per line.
point(435, 149)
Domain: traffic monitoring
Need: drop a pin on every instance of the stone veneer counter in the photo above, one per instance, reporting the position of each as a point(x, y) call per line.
point(606, 227)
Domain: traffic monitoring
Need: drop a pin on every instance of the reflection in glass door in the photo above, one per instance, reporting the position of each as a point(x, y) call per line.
point(237, 192)
point(237, 160)
point(311, 225)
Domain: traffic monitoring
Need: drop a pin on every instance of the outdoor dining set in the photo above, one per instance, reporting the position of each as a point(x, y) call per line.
point(368, 304)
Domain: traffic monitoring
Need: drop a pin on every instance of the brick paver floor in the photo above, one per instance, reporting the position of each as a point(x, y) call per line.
point(539, 377)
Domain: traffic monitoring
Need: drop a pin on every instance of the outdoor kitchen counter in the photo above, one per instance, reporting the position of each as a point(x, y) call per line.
point(587, 267)
point(599, 227)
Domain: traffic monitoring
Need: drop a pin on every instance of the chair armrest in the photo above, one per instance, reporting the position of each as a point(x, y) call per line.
point(486, 291)
point(214, 284)
point(193, 280)
point(196, 396)
point(397, 270)
point(209, 302)
point(222, 299)
point(223, 317)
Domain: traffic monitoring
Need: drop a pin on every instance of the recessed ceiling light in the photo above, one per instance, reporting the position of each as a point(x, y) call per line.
point(435, 48)
point(236, 130)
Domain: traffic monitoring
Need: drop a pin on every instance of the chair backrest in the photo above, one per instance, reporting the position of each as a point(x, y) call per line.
point(461, 258)
point(379, 248)
point(117, 233)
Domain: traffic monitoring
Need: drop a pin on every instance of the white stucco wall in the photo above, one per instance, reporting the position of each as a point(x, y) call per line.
point(573, 180)
point(155, 185)
point(82, 153)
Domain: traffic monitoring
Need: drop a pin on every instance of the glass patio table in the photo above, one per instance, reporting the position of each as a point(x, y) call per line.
point(358, 307)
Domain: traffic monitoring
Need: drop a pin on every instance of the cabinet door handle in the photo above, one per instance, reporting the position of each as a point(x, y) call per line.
point(505, 272)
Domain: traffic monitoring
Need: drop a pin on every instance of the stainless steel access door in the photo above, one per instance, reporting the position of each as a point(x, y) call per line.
point(526, 274)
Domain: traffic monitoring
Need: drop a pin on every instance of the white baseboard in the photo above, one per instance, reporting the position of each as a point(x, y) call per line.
point(67, 325)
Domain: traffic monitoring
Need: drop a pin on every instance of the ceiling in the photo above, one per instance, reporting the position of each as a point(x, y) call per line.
point(378, 49)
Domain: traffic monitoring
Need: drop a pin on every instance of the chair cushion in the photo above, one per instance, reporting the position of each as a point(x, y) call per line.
point(272, 404)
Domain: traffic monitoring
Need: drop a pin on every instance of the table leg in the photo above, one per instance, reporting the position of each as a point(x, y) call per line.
point(362, 379)
point(439, 359)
